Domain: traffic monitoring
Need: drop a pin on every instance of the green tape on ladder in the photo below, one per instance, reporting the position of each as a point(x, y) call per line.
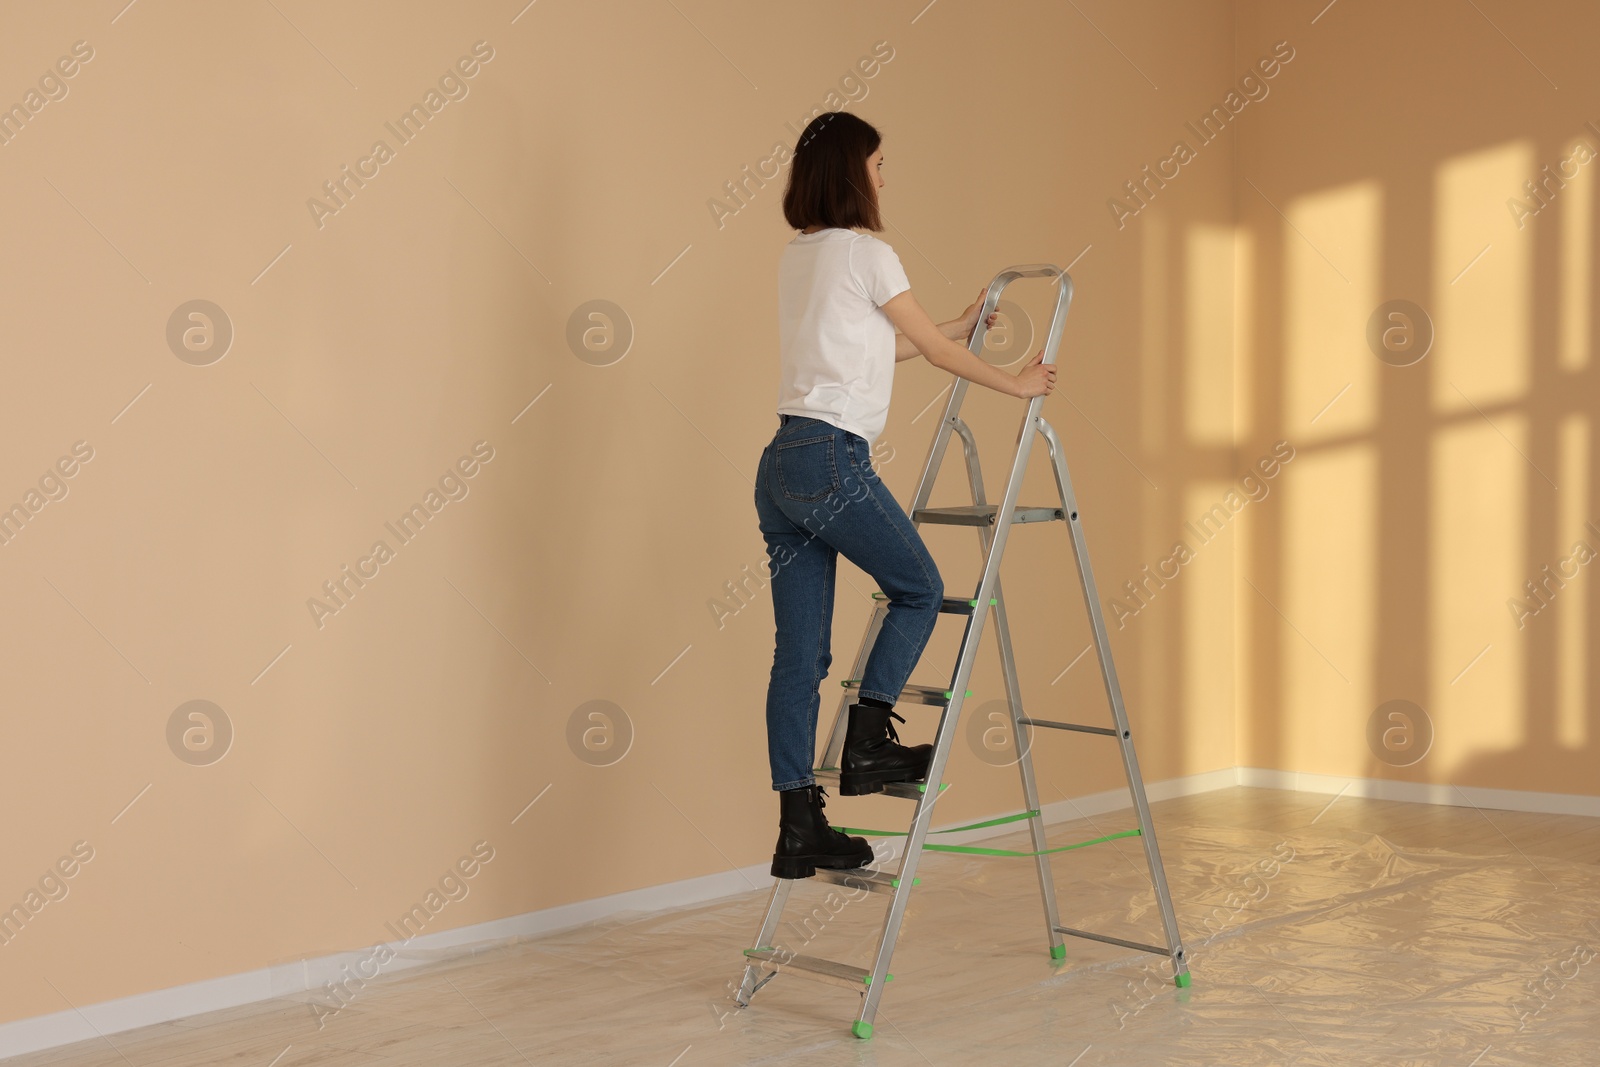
point(976, 851)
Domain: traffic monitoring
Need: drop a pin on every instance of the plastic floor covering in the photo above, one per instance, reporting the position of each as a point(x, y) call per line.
point(1307, 947)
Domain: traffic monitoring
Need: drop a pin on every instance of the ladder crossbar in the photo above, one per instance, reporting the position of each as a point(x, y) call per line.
point(1106, 730)
point(862, 878)
point(1108, 939)
point(849, 975)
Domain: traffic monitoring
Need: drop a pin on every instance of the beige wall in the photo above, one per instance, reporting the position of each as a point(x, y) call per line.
point(373, 350)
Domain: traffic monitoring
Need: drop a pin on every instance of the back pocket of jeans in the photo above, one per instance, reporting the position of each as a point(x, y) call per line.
point(806, 469)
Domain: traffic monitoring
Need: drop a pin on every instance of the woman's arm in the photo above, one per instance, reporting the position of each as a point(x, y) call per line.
point(956, 329)
point(908, 316)
point(904, 349)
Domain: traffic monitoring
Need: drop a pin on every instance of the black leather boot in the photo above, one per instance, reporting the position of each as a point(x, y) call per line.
point(806, 841)
point(872, 757)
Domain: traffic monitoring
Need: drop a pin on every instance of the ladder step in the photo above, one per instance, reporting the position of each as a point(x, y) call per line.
point(983, 515)
point(953, 605)
point(828, 778)
point(913, 694)
point(846, 974)
point(1106, 730)
point(1142, 947)
point(864, 878)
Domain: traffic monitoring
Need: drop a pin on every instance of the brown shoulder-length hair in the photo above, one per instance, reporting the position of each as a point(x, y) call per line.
point(828, 180)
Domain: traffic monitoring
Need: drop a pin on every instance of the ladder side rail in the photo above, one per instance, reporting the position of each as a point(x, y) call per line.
point(974, 626)
point(1008, 668)
point(930, 471)
point(951, 713)
point(1108, 674)
point(911, 856)
point(769, 929)
point(941, 438)
point(969, 450)
point(1058, 318)
point(833, 750)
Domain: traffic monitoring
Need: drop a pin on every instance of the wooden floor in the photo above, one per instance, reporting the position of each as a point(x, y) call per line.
point(1372, 876)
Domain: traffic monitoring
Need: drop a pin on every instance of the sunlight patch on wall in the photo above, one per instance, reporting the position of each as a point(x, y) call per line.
point(1208, 336)
point(1332, 270)
point(1572, 638)
point(1577, 268)
point(1477, 511)
point(1329, 601)
point(1244, 334)
point(1482, 279)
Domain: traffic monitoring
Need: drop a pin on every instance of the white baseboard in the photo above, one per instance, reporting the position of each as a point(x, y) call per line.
point(1462, 796)
point(304, 979)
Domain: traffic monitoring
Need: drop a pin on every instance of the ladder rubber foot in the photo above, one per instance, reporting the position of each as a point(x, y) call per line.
point(1182, 981)
point(1058, 952)
point(861, 1030)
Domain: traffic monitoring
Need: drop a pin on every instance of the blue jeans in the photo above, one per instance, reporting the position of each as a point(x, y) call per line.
point(817, 495)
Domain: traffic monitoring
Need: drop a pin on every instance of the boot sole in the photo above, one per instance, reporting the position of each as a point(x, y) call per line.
point(806, 866)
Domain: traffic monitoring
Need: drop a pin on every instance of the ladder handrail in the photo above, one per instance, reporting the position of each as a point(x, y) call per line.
point(991, 299)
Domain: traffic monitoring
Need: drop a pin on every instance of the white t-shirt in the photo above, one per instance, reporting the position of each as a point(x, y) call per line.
point(836, 344)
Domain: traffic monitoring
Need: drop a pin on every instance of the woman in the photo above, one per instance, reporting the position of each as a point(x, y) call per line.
point(841, 298)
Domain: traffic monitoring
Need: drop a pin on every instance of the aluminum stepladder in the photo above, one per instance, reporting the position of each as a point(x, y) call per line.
point(993, 523)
